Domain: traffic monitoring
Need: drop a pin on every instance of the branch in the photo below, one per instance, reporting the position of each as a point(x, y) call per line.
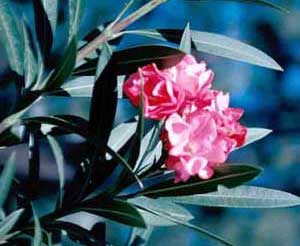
point(114, 29)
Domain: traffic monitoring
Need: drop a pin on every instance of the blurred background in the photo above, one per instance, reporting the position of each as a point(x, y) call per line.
point(270, 99)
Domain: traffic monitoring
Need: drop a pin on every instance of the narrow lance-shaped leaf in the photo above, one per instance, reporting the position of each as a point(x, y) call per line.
point(186, 40)
point(215, 44)
point(59, 159)
point(117, 210)
point(11, 37)
point(30, 64)
point(105, 56)
point(138, 137)
point(51, 8)
point(37, 240)
point(6, 178)
point(8, 223)
point(255, 134)
point(241, 197)
point(128, 60)
point(227, 175)
point(220, 45)
point(75, 14)
point(43, 28)
point(64, 67)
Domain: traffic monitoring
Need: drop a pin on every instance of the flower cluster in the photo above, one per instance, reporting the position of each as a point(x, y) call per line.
point(200, 128)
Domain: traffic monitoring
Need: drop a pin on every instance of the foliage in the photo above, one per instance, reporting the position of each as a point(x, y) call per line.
point(122, 176)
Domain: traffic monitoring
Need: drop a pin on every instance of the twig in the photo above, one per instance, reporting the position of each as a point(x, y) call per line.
point(119, 26)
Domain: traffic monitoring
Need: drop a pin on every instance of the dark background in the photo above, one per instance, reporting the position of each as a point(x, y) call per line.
point(270, 99)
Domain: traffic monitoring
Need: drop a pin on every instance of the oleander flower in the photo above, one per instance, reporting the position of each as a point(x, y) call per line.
point(227, 118)
point(192, 77)
point(162, 97)
point(195, 145)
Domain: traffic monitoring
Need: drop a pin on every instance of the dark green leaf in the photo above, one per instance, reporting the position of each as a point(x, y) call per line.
point(135, 149)
point(128, 60)
point(6, 178)
point(16, 117)
point(241, 197)
point(186, 40)
point(116, 210)
point(76, 8)
point(37, 240)
point(103, 105)
point(59, 159)
point(64, 67)
point(227, 175)
point(216, 44)
point(43, 28)
point(8, 223)
point(75, 232)
point(30, 64)
point(11, 37)
point(105, 56)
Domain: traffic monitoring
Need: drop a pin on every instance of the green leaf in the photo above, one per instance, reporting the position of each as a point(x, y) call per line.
point(215, 44)
point(116, 210)
point(191, 226)
point(255, 134)
point(120, 135)
point(6, 178)
point(16, 117)
point(227, 175)
point(75, 232)
point(11, 37)
point(128, 60)
point(259, 2)
point(34, 158)
point(30, 64)
point(37, 240)
point(64, 67)
point(51, 8)
point(135, 149)
point(126, 165)
point(103, 105)
point(76, 8)
point(220, 45)
point(105, 56)
point(79, 87)
point(8, 223)
point(43, 28)
point(59, 159)
point(151, 148)
point(241, 197)
point(63, 121)
point(162, 206)
point(186, 40)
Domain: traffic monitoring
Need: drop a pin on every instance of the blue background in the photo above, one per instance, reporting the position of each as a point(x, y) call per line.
point(270, 99)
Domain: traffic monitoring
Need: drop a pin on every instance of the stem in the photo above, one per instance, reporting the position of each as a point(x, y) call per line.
point(119, 26)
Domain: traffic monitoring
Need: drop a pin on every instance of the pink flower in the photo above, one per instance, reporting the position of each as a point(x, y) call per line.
point(194, 145)
point(162, 97)
point(227, 118)
point(192, 77)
